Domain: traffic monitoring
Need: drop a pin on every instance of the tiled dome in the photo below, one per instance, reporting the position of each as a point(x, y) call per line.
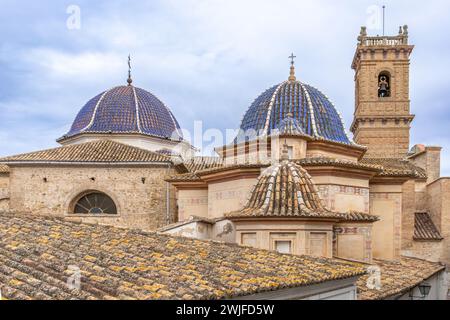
point(286, 190)
point(126, 109)
point(312, 111)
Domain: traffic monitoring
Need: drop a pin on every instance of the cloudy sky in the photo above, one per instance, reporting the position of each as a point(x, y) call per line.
point(206, 59)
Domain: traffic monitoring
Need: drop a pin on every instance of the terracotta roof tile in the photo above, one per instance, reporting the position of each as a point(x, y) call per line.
point(96, 151)
point(326, 161)
point(4, 168)
point(202, 163)
point(424, 228)
point(196, 176)
point(184, 177)
point(397, 277)
point(286, 190)
point(39, 255)
point(396, 167)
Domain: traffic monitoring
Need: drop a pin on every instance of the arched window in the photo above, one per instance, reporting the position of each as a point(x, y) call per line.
point(384, 84)
point(94, 203)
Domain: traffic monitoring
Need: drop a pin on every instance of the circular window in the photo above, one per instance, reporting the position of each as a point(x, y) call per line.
point(95, 203)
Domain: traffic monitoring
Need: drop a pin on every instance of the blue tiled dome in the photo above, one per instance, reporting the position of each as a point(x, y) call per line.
point(293, 108)
point(126, 109)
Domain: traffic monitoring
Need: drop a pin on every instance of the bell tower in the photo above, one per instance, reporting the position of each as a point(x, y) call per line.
point(382, 117)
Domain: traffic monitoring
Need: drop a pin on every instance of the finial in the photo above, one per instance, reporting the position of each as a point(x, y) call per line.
point(292, 72)
point(405, 30)
point(129, 80)
point(285, 152)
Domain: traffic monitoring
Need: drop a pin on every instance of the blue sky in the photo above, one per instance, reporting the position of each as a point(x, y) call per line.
point(206, 59)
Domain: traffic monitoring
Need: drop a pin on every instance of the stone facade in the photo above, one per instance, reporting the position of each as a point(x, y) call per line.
point(439, 208)
point(139, 193)
point(408, 211)
point(353, 241)
point(386, 202)
point(311, 238)
point(344, 197)
point(4, 191)
point(430, 160)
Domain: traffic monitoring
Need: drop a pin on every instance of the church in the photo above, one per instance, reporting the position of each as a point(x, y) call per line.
point(293, 180)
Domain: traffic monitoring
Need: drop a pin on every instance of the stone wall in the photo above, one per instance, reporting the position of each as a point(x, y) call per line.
point(4, 192)
point(430, 160)
point(310, 238)
point(353, 241)
point(139, 193)
point(343, 198)
point(192, 202)
point(227, 196)
point(408, 213)
point(386, 202)
point(439, 208)
point(426, 250)
point(342, 194)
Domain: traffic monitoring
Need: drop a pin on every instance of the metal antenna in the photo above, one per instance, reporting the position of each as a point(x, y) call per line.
point(384, 15)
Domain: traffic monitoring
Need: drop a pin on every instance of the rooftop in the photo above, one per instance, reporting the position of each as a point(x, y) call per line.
point(425, 229)
point(398, 277)
point(202, 163)
point(4, 168)
point(99, 151)
point(39, 254)
point(392, 167)
point(285, 190)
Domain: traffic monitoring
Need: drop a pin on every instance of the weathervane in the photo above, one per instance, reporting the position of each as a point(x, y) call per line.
point(129, 80)
point(292, 73)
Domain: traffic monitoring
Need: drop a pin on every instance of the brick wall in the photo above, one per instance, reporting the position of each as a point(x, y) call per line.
point(439, 208)
point(408, 213)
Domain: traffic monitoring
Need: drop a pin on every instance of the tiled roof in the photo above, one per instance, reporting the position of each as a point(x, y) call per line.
point(396, 167)
point(184, 177)
point(397, 277)
point(196, 175)
point(98, 151)
point(126, 109)
point(201, 163)
point(4, 168)
point(286, 190)
point(326, 161)
point(39, 255)
point(424, 228)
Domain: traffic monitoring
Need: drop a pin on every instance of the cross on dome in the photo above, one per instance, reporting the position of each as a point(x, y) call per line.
point(292, 72)
point(292, 57)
